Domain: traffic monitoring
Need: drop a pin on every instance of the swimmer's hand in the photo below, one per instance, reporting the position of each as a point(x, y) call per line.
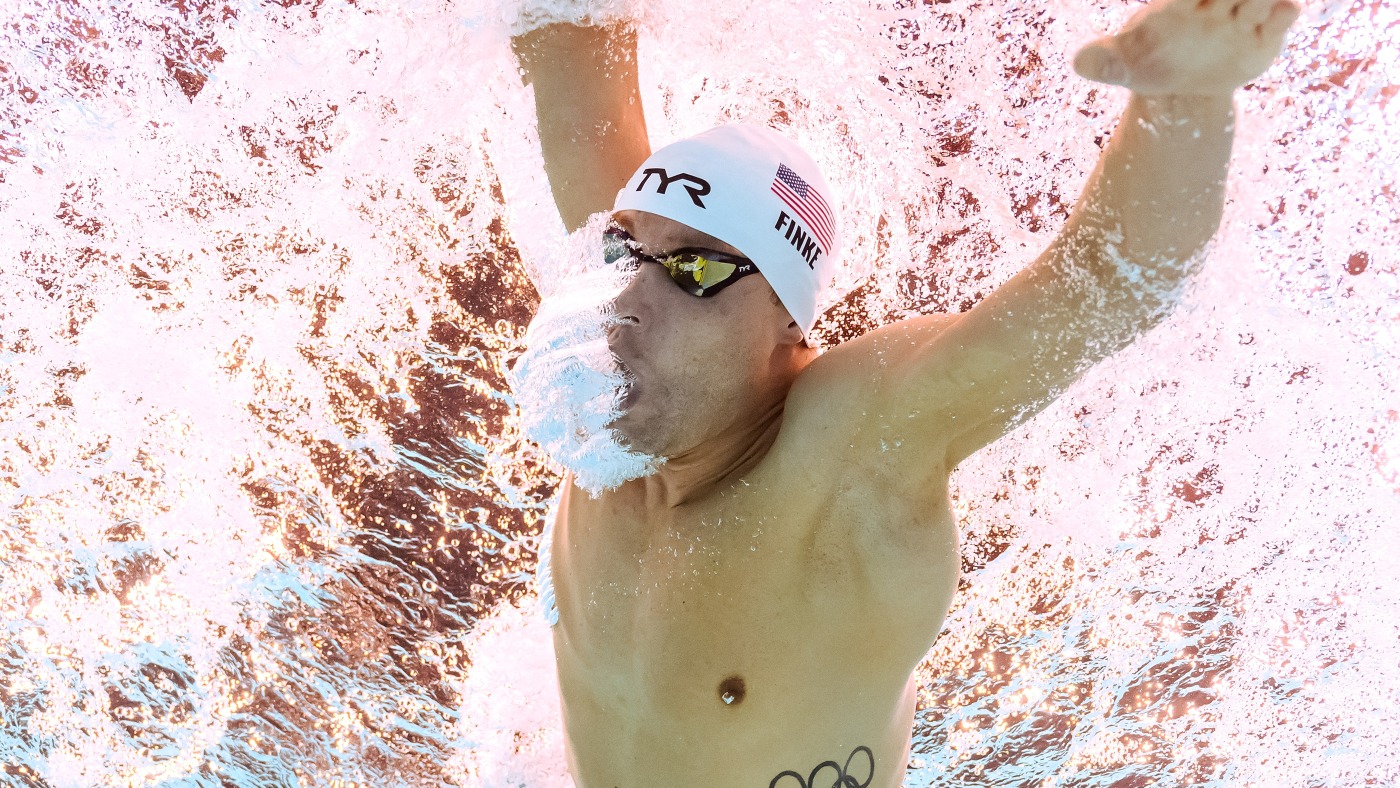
point(1190, 47)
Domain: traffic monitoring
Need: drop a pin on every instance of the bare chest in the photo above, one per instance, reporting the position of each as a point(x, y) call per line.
point(753, 601)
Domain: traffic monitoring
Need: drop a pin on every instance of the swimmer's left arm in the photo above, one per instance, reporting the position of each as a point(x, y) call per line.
point(1135, 235)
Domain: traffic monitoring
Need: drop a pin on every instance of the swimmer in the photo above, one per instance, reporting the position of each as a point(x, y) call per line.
point(750, 612)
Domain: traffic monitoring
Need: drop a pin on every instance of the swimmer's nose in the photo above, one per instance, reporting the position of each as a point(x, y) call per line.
point(627, 307)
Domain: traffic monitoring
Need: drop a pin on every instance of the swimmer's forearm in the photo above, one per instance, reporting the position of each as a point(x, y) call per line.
point(592, 131)
point(1157, 194)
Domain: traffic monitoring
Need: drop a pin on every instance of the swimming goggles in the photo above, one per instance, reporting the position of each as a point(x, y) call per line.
point(700, 272)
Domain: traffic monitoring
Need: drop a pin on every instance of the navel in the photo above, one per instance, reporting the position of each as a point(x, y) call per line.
point(731, 691)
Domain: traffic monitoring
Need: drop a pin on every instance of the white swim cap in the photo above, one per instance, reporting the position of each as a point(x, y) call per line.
point(757, 191)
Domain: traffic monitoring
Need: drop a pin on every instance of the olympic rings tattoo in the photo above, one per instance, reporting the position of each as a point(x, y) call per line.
point(843, 773)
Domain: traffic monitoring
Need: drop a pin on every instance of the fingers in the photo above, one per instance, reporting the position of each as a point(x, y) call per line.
point(1217, 8)
point(1258, 14)
point(1282, 14)
point(1267, 18)
point(1252, 13)
point(1101, 62)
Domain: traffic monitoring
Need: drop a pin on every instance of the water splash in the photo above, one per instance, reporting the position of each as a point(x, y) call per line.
point(266, 511)
point(567, 383)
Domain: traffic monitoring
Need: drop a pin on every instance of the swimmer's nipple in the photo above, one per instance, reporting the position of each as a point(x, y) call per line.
point(731, 690)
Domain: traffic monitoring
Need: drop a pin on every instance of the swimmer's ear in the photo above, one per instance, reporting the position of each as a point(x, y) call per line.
point(792, 335)
point(792, 330)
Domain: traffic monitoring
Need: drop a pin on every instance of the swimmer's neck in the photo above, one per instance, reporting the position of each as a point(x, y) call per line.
point(717, 462)
point(733, 448)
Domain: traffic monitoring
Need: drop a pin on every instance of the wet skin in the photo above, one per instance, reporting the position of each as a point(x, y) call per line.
point(821, 598)
point(769, 551)
point(799, 541)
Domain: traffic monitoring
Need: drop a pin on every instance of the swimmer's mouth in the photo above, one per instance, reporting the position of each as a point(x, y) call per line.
point(628, 395)
point(627, 392)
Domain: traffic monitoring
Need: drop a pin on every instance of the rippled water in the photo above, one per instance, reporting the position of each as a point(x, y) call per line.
point(266, 519)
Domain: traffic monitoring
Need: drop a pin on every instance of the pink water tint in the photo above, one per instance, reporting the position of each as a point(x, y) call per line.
point(265, 513)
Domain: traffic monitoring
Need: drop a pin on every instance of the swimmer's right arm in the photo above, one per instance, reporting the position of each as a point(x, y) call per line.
point(592, 131)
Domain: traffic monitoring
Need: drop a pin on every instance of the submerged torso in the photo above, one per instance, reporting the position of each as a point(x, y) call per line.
point(768, 625)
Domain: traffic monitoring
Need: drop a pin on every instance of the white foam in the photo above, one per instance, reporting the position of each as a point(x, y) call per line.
point(568, 384)
point(510, 735)
point(201, 292)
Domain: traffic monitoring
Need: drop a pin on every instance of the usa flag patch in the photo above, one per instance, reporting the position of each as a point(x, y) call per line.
point(807, 203)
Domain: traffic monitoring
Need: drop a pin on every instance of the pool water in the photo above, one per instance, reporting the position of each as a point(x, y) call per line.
point(267, 517)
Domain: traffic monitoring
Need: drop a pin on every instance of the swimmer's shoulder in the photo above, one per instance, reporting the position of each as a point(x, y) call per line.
point(845, 376)
point(837, 404)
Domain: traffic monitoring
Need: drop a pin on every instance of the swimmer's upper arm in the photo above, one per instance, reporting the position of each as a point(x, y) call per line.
point(592, 131)
point(981, 374)
point(918, 396)
point(1115, 270)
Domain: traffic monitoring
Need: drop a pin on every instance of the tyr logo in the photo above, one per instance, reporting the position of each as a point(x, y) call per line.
point(700, 187)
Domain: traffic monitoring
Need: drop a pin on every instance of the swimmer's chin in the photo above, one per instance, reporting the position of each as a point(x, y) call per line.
point(624, 431)
point(619, 427)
